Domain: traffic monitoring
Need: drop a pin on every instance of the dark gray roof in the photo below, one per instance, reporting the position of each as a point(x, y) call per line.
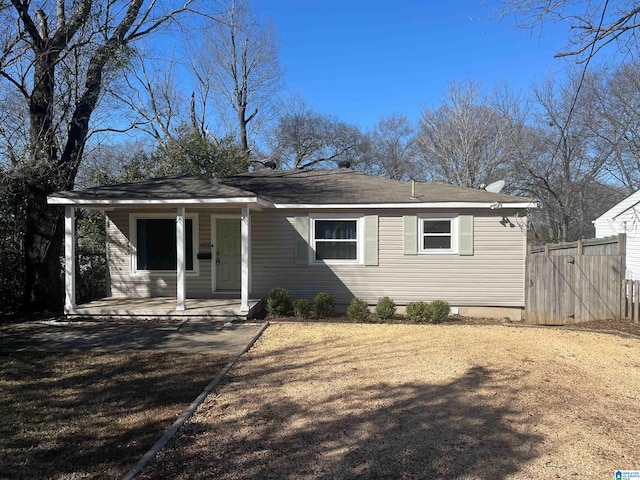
point(345, 186)
point(161, 188)
point(341, 186)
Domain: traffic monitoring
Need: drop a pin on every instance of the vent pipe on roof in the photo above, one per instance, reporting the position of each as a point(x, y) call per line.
point(270, 165)
point(344, 164)
point(413, 190)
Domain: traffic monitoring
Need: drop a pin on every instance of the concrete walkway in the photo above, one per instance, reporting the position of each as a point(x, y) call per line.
point(192, 336)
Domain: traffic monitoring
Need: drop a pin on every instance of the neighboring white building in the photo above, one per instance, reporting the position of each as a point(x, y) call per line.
point(624, 217)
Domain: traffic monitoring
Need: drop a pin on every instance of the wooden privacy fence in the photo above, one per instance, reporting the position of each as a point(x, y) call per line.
point(575, 282)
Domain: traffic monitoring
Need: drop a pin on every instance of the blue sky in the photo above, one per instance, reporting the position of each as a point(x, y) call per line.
point(361, 60)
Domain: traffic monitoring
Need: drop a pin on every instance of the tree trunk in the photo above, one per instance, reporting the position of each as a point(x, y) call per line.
point(42, 249)
point(53, 166)
point(242, 121)
point(43, 229)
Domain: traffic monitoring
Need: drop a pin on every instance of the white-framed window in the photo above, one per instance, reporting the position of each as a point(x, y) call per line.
point(336, 239)
point(153, 242)
point(437, 234)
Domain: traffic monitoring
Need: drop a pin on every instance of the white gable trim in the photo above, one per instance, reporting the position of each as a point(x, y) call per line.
point(621, 207)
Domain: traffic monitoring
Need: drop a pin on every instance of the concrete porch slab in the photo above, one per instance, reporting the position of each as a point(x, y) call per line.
point(165, 308)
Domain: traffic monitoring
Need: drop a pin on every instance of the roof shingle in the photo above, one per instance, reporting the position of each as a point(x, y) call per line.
point(318, 187)
point(346, 186)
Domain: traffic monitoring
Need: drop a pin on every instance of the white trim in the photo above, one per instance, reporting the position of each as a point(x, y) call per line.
point(69, 259)
point(52, 200)
point(357, 217)
point(214, 246)
point(619, 208)
point(454, 234)
point(245, 241)
point(133, 243)
point(524, 260)
point(181, 290)
point(174, 201)
point(631, 207)
point(403, 206)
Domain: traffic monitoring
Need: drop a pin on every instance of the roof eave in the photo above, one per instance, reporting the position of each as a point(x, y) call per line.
point(109, 202)
point(414, 205)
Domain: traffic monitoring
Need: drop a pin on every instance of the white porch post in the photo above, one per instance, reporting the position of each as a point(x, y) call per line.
point(180, 260)
point(245, 231)
point(69, 259)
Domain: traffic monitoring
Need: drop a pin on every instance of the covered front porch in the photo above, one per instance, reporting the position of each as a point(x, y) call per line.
point(165, 308)
point(176, 247)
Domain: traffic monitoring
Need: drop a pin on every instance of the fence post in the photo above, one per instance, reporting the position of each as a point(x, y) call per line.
point(622, 244)
point(623, 298)
point(636, 300)
point(622, 251)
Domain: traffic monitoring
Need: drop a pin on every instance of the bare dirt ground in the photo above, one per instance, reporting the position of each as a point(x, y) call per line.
point(425, 401)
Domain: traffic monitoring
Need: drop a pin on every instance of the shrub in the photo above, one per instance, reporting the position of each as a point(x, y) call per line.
point(386, 308)
point(438, 311)
point(323, 304)
point(302, 308)
point(418, 311)
point(358, 310)
point(278, 302)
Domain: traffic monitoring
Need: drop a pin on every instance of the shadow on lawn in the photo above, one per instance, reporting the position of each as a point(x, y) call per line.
point(91, 415)
point(389, 430)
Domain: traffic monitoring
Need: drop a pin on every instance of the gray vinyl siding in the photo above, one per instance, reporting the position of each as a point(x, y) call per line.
point(492, 276)
point(125, 284)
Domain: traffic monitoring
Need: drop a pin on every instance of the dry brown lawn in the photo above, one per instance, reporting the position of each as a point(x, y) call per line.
point(91, 415)
point(409, 402)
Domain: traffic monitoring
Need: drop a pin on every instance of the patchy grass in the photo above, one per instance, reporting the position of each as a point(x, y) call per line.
point(89, 415)
point(465, 402)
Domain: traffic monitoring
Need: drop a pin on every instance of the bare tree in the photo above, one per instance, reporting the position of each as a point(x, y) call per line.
point(303, 138)
point(558, 161)
point(238, 62)
point(154, 104)
point(468, 139)
point(393, 150)
point(617, 126)
point(594, 24)
point(57, 59)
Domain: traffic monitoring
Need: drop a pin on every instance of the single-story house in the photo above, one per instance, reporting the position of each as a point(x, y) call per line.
point(341, 231)
point(624, 217)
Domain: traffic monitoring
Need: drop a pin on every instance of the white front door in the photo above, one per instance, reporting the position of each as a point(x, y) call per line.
point(227, 254)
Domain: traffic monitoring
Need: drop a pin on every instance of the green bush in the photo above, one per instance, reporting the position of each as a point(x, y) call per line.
point(438, 311)
point(418, 311)
point(323, 304)
point(386, 308)
point(358, 310)
point(278, 302)
point(302, 308)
